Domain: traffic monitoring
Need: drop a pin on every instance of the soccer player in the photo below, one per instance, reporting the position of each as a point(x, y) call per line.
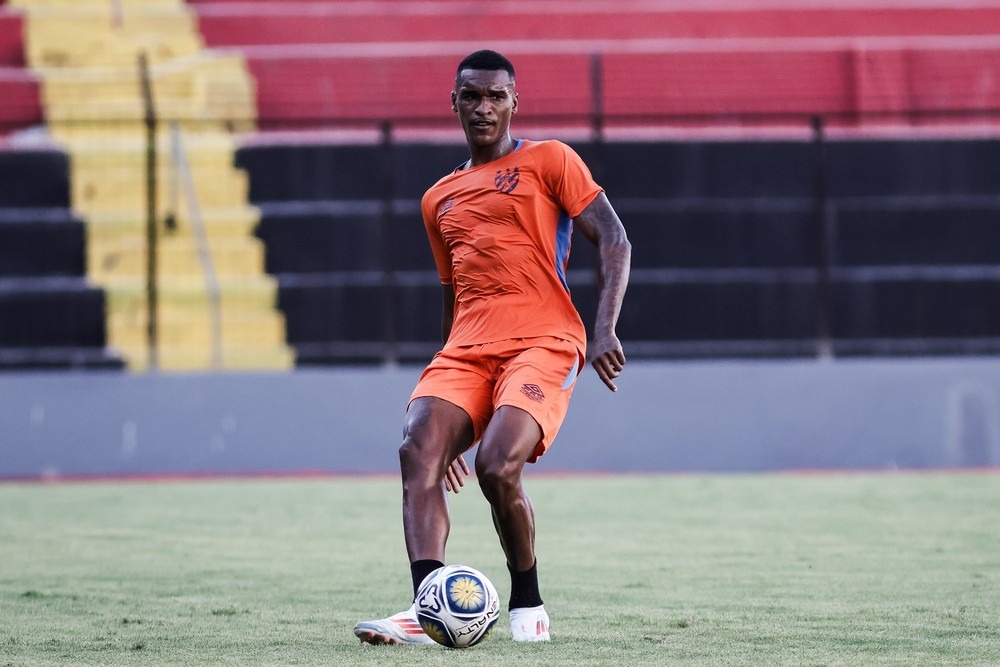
point(499, 228)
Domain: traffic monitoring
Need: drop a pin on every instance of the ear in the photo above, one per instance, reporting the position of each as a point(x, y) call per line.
point(514, 108)
point(454, 101)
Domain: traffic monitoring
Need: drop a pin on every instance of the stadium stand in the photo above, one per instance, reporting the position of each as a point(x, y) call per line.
point(303, 22)
point(317, 61)
point(914, 228)
point(216, 307)
point(725, 253)
point(50, 315)
point(796, 177)
point(753, 235)
point(352, 271)
point(320, 203)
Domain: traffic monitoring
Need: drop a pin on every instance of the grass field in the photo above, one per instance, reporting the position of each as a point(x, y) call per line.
point(887, 569)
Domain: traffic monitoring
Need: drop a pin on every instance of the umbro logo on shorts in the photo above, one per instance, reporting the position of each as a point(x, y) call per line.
point(533, 391)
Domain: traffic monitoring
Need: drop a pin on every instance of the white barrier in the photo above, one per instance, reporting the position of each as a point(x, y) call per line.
point(667, 416)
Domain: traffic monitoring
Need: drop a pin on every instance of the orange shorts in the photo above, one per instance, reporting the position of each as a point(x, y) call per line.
point(534, 374)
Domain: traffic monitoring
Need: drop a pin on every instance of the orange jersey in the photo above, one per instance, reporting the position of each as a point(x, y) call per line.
point(500, 233)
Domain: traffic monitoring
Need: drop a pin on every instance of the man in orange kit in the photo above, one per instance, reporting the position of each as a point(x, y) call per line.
point(500, 227)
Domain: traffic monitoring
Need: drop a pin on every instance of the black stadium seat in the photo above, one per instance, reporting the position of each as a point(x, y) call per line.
point(50, 316)
point(733, 255)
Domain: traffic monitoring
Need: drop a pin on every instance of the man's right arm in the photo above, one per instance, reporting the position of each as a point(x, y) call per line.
point(601, 225)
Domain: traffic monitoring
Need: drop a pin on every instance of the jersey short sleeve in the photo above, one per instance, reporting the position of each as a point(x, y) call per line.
point(430, 209)
point(567, 177)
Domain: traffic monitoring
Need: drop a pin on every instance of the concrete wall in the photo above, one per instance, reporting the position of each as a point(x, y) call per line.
point(720, 416)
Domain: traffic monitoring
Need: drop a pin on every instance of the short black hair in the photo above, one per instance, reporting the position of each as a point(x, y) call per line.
point(485, 59)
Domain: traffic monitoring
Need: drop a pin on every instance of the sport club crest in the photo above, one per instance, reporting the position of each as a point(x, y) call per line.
point(507, 179)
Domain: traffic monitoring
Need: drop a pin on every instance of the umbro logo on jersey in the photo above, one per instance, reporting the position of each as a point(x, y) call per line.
point(533, 391)
point(507, 179)
point(445, 207)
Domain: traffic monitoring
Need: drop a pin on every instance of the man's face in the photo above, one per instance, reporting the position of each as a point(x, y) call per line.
point(485, 101)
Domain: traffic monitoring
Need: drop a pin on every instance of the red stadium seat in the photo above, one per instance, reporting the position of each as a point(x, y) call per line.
point(352, 61)
point(301, 86)
point(21, 102)
point(11, 39)
point(263, 22)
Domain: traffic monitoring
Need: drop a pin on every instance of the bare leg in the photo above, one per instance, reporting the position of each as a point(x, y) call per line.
point(435, 433)
point(507, 443)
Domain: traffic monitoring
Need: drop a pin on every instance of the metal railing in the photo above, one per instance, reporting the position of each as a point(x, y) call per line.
point(181, 179)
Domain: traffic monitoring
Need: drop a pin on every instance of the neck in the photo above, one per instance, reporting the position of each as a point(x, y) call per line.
point(483, 154)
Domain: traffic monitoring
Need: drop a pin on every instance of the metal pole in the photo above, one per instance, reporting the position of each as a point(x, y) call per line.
point(389, 296)
point(151, 271)
point(824, 282)
point(182, 167)
point(597, 96)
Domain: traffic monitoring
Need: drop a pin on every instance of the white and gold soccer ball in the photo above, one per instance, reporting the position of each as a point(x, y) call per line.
point(457, 606)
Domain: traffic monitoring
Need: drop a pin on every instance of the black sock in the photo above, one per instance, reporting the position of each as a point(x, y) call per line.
point(419, 569)
point(524, 588)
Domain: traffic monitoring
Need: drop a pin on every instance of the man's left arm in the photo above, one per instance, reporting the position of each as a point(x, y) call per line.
point(602, 227)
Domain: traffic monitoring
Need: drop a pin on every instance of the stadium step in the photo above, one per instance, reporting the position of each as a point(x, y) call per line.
point(199, 358)
point(916, 303)
point(89, 34)
point(41, 242)
point(34, 178)
point(51, 312)
point(252, 328)
point(128, 295)
point(323, 327)
point(245, 329)
point(176, 256)
point(117, 188)
point(236, 222)
point(201, 91)
point(51, 316)
point(86, 55)
point(312, 237)
point(125, 147)
point(58, 358)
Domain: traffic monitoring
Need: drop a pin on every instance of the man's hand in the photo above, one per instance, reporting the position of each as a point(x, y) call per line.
point(608, 359)
point(454, 478)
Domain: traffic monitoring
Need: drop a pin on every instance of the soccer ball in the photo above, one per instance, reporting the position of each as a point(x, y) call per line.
point(457, 606)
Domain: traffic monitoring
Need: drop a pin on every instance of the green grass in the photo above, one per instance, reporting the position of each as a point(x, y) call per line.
point(895, 569)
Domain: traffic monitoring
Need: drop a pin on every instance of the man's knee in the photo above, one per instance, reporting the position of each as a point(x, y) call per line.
point(427, 450)
point(496, 476)
point(417, 455)
point(409, 451)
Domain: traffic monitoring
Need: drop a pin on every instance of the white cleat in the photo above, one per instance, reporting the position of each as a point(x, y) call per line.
point(529, 624)
point(403, 628)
